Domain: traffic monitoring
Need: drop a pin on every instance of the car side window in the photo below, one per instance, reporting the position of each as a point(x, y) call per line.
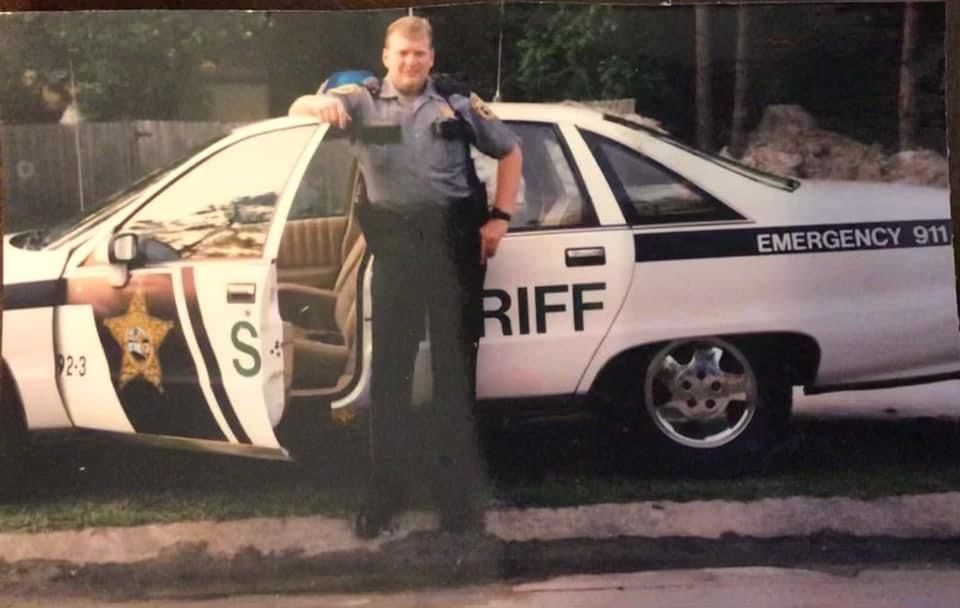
point(224, 206)
point(649, 193)
point(327, 185)
point(551, 192)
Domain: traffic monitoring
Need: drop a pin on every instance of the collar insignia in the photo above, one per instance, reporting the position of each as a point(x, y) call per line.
point(477, 105)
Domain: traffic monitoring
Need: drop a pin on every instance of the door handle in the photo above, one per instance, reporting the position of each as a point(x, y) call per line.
point(586, 256)
point(241, 293)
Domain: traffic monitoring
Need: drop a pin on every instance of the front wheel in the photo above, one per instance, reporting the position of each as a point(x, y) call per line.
point(13, 441)
point(704, 406)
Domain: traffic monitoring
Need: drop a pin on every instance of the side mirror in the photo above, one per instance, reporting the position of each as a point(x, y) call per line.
point(124, 248)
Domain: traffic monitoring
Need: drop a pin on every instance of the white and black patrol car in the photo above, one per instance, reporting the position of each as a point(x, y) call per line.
point(224, 301)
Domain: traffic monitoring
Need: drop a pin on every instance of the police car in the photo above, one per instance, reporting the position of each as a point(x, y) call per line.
point(223, 303)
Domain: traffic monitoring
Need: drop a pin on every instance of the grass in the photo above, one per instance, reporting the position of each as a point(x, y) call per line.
point(82, 483)
point(859, 459)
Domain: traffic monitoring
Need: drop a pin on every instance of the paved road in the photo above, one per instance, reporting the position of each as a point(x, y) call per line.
point(938, 399)
point(709, 588)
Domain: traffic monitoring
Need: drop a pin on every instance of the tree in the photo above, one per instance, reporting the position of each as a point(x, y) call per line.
point(738, 137)
point(703, 89)
point(129, 65)
point(906, 98)
point(571, 57)
point(601, 52)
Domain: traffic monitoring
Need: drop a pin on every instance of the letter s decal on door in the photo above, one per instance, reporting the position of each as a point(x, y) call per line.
point(254, 364)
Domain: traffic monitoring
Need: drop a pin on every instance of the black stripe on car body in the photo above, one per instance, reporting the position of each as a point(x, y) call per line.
point(36, 294)
point(782, 240)
point(170, 403)
point(206, 351)
point(881, 384)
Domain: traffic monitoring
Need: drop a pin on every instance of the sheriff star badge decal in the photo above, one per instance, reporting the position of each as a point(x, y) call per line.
point(139, 336)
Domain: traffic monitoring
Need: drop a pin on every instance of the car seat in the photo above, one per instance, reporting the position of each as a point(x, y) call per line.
point(312, 250)
point(320, 324)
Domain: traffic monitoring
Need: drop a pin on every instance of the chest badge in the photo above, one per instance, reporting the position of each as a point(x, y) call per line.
point(139, 336)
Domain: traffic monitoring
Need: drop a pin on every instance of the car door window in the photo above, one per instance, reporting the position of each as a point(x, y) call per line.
point(551, 193)
point(223, 207)
point(648, 192)
point(327, 185)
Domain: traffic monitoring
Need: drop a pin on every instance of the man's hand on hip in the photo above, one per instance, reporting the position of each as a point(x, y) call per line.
point(490, 235)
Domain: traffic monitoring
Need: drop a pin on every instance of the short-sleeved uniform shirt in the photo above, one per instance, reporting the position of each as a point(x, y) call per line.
point(423, 168)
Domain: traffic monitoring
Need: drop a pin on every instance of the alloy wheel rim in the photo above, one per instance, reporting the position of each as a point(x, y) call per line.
point(700, 393)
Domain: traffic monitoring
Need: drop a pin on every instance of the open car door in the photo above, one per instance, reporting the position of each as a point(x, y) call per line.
point(187, 344)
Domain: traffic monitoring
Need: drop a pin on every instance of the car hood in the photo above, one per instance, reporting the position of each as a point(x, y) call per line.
point(836, 201)
point(25, 266)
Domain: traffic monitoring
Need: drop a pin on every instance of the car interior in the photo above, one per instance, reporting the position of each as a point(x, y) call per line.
point(322, 252)
point(318, 269)
point(549, 196)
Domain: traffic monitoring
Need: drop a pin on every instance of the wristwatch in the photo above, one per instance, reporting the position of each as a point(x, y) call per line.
point(496, 213)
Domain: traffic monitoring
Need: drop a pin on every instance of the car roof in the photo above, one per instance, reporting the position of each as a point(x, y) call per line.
point(272, 124)
point(552, 112)
point(539, 112)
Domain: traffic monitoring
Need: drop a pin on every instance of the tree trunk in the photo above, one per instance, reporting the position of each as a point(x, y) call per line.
point(906, 107)
point(952, 77)
point(738, 137)
point(2, 232)
point(703, 93)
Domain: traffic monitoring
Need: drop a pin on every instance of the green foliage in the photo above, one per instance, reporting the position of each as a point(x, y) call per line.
point(593, 52)
point(126, 65)
point(603, 52)
point(839, 61)
point(570, 57)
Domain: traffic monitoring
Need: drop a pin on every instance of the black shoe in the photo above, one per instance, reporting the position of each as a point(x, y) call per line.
point(374, 516)
point(369, 524)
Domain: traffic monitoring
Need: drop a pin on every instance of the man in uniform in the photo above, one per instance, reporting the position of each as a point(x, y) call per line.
point(431, 235)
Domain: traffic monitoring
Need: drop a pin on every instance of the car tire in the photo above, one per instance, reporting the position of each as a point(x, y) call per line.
point(707, 407)
point(13, 438)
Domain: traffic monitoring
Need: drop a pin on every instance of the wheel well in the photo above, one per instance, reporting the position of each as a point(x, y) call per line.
point(797, 354)
point(11, 404)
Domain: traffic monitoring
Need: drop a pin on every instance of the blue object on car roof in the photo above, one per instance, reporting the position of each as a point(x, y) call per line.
point(338, 79)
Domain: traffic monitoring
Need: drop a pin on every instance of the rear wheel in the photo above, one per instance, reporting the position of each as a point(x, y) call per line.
point(707, 407)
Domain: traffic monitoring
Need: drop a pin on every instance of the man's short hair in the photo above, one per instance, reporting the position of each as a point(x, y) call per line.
point(410, 27)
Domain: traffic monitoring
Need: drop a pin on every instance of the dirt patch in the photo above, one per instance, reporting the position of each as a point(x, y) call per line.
point(788, 141)
point(440, 559)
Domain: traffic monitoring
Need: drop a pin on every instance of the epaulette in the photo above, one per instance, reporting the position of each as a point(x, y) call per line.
point(477, 105)
point(373, 85)
point(345, 89)
point(446, 85)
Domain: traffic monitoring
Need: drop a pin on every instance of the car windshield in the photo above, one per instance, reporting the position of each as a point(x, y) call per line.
point(771, 179)
point(94, 214)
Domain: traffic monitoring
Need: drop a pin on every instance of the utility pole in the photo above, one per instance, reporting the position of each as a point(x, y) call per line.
point(76, 129)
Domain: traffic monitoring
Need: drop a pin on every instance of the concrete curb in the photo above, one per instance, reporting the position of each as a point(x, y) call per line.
point(919, 516)
point(926, 516)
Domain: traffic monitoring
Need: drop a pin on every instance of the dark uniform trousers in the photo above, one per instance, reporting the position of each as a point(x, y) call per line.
point(426, 266)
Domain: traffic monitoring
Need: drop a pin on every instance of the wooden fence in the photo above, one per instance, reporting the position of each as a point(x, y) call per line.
point(51, 172)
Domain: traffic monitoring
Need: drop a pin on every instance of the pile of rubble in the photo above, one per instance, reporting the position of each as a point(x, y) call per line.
point(789, 142)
